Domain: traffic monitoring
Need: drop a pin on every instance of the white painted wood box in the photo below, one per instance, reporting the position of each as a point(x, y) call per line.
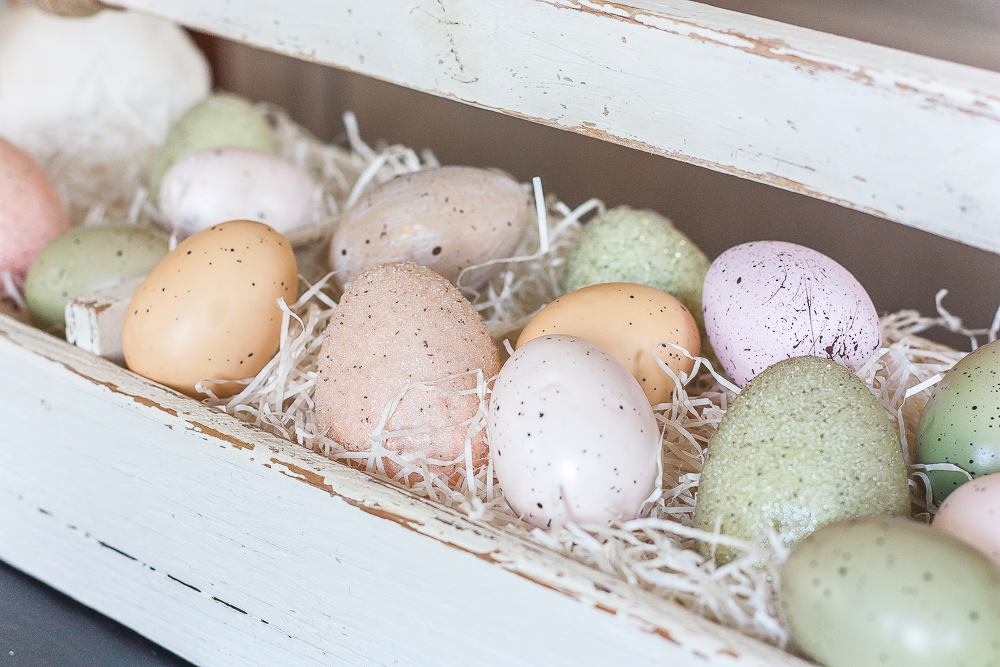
point(231, 546)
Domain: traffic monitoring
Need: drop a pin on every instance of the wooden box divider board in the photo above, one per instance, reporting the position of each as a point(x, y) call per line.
point(230, 546)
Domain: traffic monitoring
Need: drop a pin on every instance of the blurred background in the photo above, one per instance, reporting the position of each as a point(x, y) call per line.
point(901, 267)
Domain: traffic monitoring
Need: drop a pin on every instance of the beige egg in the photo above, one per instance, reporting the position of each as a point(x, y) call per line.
point(31, 213)
point(447, 219)
point(399, 324)
point(629, 321)
point(209, 309)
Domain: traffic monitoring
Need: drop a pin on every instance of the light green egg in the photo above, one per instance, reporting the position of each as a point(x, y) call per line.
point(885, 592)
point(961, 422)
point(805, 444)
point(220, 120)
point(86, 259)
point(631, 246)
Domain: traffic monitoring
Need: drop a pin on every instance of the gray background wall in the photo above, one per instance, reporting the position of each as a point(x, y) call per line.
point(900, 267)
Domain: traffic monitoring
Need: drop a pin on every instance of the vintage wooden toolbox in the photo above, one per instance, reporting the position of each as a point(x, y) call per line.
point(230, 546)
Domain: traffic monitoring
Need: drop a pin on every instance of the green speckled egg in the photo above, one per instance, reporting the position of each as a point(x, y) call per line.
point(885, 592)
point(805, 443)
point(624, 245)
point(220, 120)
point(86, 259)
point(961, 422)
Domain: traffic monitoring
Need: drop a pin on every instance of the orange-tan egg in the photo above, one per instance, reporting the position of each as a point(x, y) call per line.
point(632, 323)
point(209, 309)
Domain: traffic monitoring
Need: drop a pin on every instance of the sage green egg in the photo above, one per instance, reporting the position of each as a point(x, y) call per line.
point(887, 592)
point(221, 120)
point(961, 422)
point(626, 245)
point(86, 259)
point(805, 444)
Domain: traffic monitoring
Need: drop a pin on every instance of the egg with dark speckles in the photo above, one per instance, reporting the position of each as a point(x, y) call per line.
point(806, 443)
point(888, 592)
point(769, 300)
point(571, 434)
point(972, 514)
point(447, 219)
point(636, 324)
point(961, 422)
point(86, 259)
point(209, 309)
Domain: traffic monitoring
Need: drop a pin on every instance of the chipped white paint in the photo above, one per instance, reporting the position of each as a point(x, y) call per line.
point(901, 136)
point(94, 321)
point(233, 547)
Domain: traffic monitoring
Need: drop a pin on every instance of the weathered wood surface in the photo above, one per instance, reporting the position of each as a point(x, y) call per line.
point(230, 546)
point(901, 136)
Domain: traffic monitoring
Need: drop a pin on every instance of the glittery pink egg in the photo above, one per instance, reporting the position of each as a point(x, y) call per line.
point(400, 324)
point(31, 213)
point(767, 301)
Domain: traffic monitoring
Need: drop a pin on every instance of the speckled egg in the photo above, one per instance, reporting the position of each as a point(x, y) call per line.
point(972, 514)
point(209, 309)
point(31, 213)
point(400, 324)
point(887, 592)
point(805, 443)
point(220, 120)
point(214, 185)
point(625, 245)
point(631, 322)
point(448, 219)
point(961, 422)
point(768, 300)
point(87, 259)
point(572, 435)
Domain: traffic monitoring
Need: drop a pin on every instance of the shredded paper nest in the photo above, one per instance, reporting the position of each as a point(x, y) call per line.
point(654, 551)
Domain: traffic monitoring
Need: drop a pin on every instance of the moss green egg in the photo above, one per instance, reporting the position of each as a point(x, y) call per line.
point(221, 120)
point(86, 259)
point(890, 592)
point(805, 443)
point(961, 422)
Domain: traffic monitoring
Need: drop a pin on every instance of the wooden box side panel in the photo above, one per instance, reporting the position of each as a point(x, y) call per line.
point(900, 136)
point(233, 547)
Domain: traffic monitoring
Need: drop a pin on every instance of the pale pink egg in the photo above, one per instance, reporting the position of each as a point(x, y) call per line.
point(31, 213)
point(972, 514)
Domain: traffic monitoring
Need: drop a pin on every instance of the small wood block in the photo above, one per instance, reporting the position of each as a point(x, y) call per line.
point(94, 321)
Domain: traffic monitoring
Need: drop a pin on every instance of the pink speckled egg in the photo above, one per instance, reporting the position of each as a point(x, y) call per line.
point(972, 514)
point(396, 325)
point(31, 213)
point(767, 301)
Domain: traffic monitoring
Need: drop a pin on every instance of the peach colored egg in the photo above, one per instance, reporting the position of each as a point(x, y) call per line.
point(209, 309)
point(399, 324)
point(630, 322)
point(972, 514)
point(31, 213)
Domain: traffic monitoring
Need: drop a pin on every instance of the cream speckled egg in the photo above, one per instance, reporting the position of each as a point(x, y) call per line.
point(629, 321)
point(769, 300)
point(31, 213)
point(399, 324)
point(448, 219)
point(214, 185)
point(571, 434)
point(209, 309)
point(972, 514)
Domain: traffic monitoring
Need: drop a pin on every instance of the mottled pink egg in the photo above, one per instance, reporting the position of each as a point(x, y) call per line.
point(972, 514)
point(31, 213)
point(767, 301)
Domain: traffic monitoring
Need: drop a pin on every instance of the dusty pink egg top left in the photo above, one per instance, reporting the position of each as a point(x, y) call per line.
point(31, 213)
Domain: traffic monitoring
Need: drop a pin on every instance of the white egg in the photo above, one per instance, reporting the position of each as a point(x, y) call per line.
point(215, 185)
point(571, 434)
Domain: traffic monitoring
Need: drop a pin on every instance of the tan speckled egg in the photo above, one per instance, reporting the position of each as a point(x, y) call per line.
point(31, 213)
point(629, 321)
point(447, 218)
point(398, 324)
point(209, 309)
